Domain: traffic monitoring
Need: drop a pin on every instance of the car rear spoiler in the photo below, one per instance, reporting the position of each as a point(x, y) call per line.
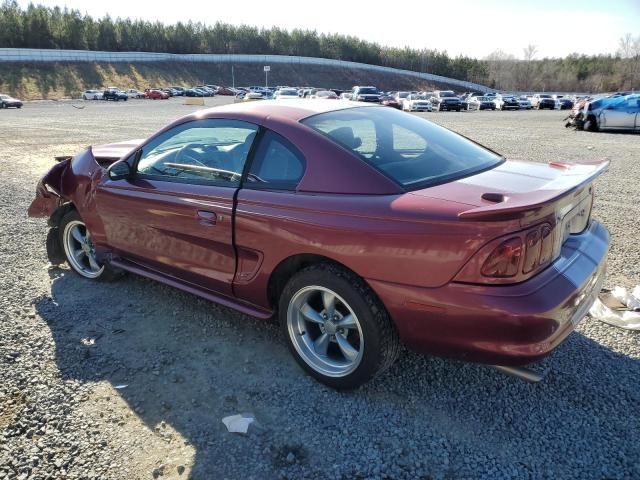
point(575, 176)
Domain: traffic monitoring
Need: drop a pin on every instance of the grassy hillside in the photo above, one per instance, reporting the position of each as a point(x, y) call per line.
point(57, 80)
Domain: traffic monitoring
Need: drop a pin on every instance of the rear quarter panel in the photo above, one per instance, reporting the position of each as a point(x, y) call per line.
point(402, 239)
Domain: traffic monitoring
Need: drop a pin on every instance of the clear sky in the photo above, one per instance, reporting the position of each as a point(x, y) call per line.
point(474, 28)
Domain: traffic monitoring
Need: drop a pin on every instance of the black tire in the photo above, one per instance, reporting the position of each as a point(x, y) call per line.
point(590, 125)
point(107, 273)
point(380, 339)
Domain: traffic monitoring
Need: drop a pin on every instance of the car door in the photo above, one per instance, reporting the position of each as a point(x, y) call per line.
point(262, 219)
point(619, 115)
point(174, 214)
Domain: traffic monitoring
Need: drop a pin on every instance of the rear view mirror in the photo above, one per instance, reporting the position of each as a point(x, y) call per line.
point(120, 171)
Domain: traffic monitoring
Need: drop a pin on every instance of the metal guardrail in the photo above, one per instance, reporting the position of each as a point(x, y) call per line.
point(51, 55)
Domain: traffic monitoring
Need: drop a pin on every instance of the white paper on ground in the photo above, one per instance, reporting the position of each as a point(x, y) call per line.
point(238, 423)
point(627, 319)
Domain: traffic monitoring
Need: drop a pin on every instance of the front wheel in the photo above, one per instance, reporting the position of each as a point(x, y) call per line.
point(335, 326)
point(78, 249)
point(590, 125)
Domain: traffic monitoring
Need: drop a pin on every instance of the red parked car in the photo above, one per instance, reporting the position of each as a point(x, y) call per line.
point(156, 94)
point(359, 226)
point(391, 102)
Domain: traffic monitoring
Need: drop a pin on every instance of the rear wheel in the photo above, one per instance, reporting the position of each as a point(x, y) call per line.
point(335, 326)
point(79, 251)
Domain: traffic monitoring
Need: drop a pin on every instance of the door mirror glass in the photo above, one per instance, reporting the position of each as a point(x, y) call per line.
point(120, 171)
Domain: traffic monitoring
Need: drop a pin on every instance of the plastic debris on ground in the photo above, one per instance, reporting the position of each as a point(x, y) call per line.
point(618, 307)
point(238, 423)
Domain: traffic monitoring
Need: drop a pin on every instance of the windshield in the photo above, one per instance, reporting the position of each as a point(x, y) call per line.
point(419, 97)
point(409, 149)
point(289, 92)
point(368, 91)
point(447, 94)
point(545, 96)
point(403, 94)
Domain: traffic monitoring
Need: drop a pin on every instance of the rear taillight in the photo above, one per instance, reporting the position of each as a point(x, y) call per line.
point(504, 260)
point(532, 245)
point(522, 254)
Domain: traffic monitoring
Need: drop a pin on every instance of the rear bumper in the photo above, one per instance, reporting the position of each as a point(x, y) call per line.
point(507, 325)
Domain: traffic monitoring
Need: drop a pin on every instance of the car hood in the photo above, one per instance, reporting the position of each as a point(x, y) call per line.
point(111, 152)
point(515, 180)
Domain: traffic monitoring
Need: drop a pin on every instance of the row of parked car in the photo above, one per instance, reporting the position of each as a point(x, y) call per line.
point(415, 101)
point(447, 100)
point(117, 94)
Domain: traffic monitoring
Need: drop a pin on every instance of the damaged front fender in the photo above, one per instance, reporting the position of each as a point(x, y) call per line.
point(69, 181)
point(48, 197)
point(70, 184)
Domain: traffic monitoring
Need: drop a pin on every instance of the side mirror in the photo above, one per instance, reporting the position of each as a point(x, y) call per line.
point(120, 171)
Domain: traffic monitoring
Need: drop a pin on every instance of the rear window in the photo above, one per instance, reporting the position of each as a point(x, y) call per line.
point(409, 149)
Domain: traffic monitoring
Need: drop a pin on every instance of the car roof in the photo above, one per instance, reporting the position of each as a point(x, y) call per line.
point(294, 109)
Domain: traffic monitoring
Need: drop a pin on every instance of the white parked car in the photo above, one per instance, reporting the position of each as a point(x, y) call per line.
point(324, 95)
point(345, 96)
point(400, 96)
point(286, 93)
point(133, 93)
point(92, 95)
point(417, 102)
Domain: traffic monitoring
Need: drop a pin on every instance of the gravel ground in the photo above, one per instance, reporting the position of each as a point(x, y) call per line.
point(67, 345)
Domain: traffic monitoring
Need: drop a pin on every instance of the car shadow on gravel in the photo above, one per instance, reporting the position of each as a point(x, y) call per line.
point(187, 363)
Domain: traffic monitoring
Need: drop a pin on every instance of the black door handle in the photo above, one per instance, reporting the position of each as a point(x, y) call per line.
point(206, 217)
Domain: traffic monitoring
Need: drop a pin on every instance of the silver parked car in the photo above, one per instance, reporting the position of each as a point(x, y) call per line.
point(618, 113)
point(92, 95)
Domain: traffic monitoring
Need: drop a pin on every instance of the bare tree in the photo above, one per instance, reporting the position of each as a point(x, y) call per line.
point(629, 51)
point(500, 69)
point(625, 46)
point(530, 52)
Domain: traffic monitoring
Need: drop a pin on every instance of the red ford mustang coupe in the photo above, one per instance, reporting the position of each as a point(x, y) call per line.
point(359, 226)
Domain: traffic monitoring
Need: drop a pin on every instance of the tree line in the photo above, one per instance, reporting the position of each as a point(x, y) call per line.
point(38, 26)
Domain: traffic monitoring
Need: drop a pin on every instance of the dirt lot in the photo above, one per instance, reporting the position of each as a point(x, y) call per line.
point(130, 380)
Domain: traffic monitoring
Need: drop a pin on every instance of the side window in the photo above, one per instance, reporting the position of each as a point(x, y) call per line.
point(277, 164)
point(202, 151)
point(358, 135)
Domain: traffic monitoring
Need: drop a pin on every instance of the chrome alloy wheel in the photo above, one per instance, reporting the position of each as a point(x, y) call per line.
point(79, 250)
point(325, 331)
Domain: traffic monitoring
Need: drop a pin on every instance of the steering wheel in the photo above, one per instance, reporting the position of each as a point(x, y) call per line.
point(183, 154)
